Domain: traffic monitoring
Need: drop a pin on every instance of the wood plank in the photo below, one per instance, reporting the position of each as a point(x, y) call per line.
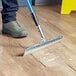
point(58, 30)
point(56, 60)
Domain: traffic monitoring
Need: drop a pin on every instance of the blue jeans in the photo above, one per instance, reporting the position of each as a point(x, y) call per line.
point(10, 8)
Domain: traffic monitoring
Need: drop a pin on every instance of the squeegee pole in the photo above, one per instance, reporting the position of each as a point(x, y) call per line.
point(30, 8)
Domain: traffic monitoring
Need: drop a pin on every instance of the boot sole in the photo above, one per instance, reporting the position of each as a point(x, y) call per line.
point(7, 33)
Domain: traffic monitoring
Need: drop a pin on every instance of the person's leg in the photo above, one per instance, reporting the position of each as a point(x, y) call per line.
point(10, 25)
point(9, 10)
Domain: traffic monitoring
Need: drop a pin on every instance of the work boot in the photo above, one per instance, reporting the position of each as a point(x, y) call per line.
point(14, 29)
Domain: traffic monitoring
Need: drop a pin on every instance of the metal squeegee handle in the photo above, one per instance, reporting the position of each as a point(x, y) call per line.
point(30, 8)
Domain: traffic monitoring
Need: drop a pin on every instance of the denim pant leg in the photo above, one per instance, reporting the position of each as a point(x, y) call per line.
point(9, 10)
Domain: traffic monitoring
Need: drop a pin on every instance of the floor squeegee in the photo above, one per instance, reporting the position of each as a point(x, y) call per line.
point(43, 42)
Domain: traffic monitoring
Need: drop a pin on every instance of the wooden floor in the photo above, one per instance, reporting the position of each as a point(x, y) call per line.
point(56, 60)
